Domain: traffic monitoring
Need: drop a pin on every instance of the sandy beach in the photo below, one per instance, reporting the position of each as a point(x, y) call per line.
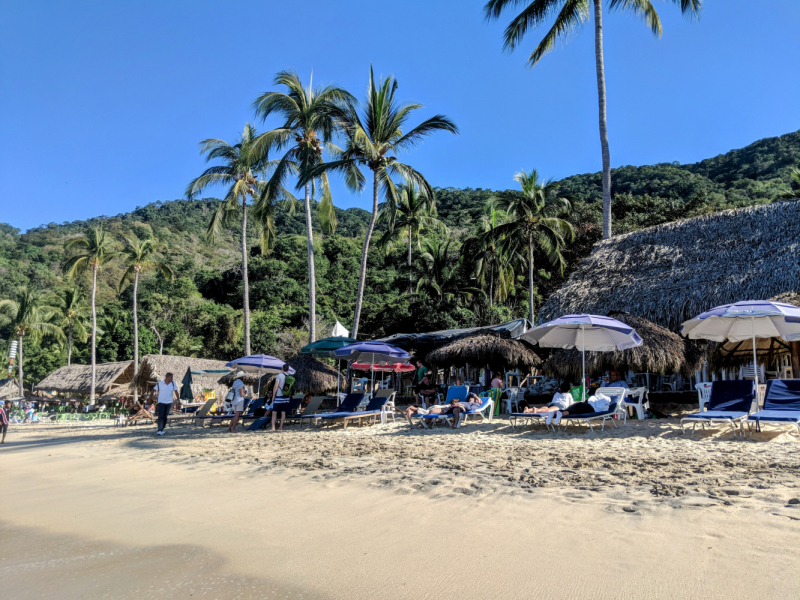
point(640, 511)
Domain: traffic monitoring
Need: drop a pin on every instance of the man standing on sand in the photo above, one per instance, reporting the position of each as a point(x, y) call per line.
point(167, 389)
point(279, 401)
point(5, 409)
point(238, 401)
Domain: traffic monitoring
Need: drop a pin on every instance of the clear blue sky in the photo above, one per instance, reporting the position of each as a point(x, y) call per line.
point(102, 102)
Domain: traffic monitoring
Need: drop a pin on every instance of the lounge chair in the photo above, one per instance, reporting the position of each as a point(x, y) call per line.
point(615, 409)
point(729, 402)
point(781, 405)
point(388, 408)
point(373, 411)
point(261, 422)
point(349, 404)
point(529, 419)
point(202, 413)
point(454, 393)
point(311, 408)
point(248, 413)
point(460, 395)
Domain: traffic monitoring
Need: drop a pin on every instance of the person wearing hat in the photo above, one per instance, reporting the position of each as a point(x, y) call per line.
point(238, 400)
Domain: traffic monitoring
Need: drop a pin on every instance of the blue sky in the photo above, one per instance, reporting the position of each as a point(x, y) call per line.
point(102, 103)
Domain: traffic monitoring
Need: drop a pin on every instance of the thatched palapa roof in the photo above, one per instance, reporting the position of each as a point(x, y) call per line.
point(662, 351)
point(485, 349)
point(311, 375)
point(9, 388)
point(153, 368)
point(673, 272)
point(77, 379)
point(730, 355)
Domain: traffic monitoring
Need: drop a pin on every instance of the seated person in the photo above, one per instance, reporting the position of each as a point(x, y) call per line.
point(561, 401)
point(616, 381)
point(426, 391)
point(473, 402)
point(598, 403)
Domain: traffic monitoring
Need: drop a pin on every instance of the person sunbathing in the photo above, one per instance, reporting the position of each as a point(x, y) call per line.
point(561, 401)
point(473, 402)
point(598, 403)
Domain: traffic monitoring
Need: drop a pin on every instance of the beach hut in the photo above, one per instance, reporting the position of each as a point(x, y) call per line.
point(485, 348)
point(661, 351)
point(111, 379)
point(9, 388)
point(311, 375)
point(153, 368)
point(672, 272)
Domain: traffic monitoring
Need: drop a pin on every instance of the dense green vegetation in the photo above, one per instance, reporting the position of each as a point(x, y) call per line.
point(200, 311)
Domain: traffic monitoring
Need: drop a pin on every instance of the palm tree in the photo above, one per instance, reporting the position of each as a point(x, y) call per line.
point(408, 214)
point(94, 248)
point(534, 222)
point(373, 140)
point(30, 315)
point(242, 164)
point(794, 182)
point(139, 255)
point(571, 15)
point(310, 118)
point(438, 273)
point(74, 314)
point(493, 265)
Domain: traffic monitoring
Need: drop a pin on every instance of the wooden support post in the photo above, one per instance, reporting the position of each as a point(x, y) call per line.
point(795, 350)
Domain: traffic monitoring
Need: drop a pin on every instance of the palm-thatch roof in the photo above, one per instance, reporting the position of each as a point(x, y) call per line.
point(672, 272)
point(153, 368)
point(730, 355)
point(9, 388)
point(662, 351)
point(485, 349)
point(110, 378)
point(311, 375)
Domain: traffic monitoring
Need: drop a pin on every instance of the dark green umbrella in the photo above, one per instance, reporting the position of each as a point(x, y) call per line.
point(327, 347)
point(186, 387)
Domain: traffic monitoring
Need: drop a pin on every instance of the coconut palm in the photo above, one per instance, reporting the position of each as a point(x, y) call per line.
point(439, 273)
point(494, 265)
point(794, 182)
point(242, 165)
point(310, 118)
point(571, 15)
point(534, 222)
point(74, 313)
point(374, 138)
point(92, 250)
point(30, 316)
point(139, 255)
point(407, 214)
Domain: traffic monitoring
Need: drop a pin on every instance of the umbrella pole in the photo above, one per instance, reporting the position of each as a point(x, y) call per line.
point(755, 364)
point(372, 376)
point(258, 393)
point(583, 363)
point(338, 379)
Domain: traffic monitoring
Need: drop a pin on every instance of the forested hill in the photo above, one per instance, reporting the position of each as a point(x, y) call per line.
point(200, 312)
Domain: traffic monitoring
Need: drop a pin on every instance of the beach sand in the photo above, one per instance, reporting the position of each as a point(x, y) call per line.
point(639, 512)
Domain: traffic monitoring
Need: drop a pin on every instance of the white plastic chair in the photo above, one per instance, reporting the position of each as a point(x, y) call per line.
point(748, 373)
point(669, 382)
point(635, 398)
point(703, 394)
point(513, 398)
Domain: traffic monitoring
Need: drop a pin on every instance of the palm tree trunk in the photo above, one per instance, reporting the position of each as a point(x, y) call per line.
point(601, 101)
point(94, 334)
point(530, 275)
point(245, 281)
point(362, 277)
point(19, 368)
point(69, 345)
point(135, 333)
point(409, 260)
point(312, 279)
point(491, 286)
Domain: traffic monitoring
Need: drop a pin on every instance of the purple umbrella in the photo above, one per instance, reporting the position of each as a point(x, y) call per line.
point(587, 332)
point(259, 363)
point(372, 353)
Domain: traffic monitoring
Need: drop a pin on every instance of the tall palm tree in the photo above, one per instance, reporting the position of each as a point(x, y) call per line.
point(534, 222)
point(92, 250)
point(438, 272)
point(407, 214)
point(374, 138)
point(571, 15)
point(30, 315)
point(74, 313)
point(493, 264)
point(139, 255)
point(242, 165)
point(310, 118)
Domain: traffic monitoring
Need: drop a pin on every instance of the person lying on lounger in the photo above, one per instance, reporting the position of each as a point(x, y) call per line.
point(598, 403)
point(473, 402)
point(561, 401)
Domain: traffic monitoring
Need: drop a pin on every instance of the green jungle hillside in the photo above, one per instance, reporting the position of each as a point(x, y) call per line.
point(200, 312)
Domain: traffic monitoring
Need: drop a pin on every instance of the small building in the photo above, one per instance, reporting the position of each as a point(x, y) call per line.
point(9, 388)
point(153, 368)
point(111, 379)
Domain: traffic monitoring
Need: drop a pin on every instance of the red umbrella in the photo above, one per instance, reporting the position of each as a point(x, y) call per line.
point(397, 367)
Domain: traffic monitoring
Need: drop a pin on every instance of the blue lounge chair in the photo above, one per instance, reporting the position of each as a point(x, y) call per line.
point(455, 393)
point(487, 405)
point(349, 404)
point(730, 402)
point(261, 422)
point(373, 411)
point(781, 405)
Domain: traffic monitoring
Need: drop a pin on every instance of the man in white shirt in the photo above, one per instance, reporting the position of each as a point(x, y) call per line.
point(167, 390)
point(238, 401)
